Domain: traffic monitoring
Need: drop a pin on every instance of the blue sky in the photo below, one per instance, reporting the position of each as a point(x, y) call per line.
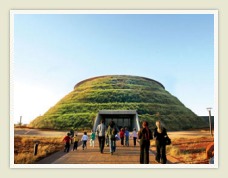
point(53, 52)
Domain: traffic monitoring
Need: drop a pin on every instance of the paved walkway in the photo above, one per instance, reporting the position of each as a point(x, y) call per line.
point(123, 155)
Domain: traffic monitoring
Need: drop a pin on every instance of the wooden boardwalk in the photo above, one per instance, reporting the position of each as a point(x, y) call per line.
point(90, 155)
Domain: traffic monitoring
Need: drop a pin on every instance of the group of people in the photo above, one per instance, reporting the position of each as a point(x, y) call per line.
point(73, 139)
point(144, 135)
point(125, 134)
point(112, 135)
point(68, 139)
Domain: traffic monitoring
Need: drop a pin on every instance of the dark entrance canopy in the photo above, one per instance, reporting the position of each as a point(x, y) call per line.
point(122, 118)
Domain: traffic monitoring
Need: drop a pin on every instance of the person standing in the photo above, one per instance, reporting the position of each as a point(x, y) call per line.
point(101, 135)
point(160, 134)
point(145, 135)
point(134, 135)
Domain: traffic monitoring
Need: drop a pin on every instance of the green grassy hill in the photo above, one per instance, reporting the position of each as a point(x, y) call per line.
point(118, 92)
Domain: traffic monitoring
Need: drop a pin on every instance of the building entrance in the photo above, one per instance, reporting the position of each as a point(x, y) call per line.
point(122, 118)
point(121, 121)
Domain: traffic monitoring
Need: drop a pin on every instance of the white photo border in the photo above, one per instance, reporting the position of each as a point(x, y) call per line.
point(216, 149)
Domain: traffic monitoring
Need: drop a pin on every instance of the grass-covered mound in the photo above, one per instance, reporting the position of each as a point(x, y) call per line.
point(118, 92)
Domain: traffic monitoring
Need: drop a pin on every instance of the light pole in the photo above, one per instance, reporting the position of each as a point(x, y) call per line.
point(20, 120)
point(209, 110)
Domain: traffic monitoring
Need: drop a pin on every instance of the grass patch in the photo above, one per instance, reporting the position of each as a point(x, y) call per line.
point(118, 92)
point(188, 150)
point(24, 148)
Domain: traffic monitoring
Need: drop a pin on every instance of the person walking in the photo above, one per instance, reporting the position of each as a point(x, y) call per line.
point(134, 135)
point(126, 134)
point(111, 134)
point(92, 139)
point(145, 135)
point(71, 134)
point(76, 140)
point(101, 135)
point(160, 134)
point(84, 140)
point(122, 136)
point(67, 140)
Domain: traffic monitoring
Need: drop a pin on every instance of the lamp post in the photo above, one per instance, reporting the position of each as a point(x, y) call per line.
point(209, 110)
point(20, 120)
